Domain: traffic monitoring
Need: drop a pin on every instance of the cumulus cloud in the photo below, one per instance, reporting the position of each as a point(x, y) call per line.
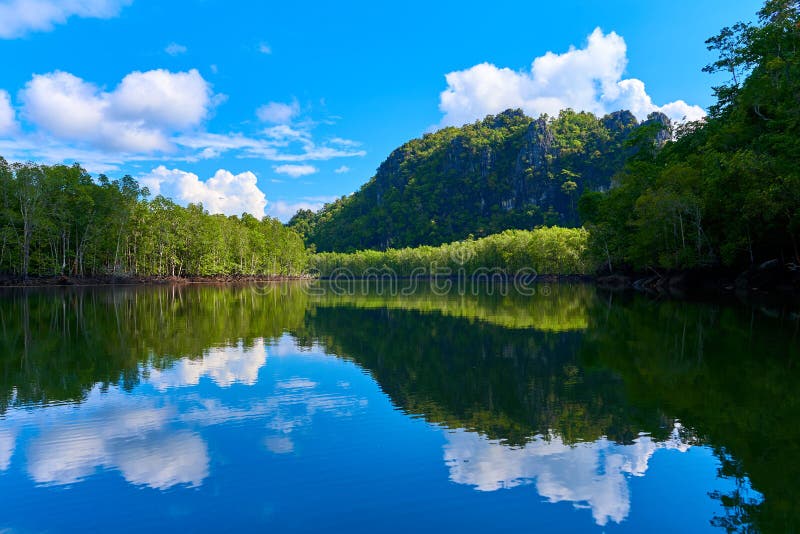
point(137, 116)
point(19, 17)
point(8, 121)
point(585, 79)
point(175, 49)
point(295, 171)
point(170, 99)
point(156, 115)
point(343, 169)
point(225, 192)
point(278, 112)
point(587, 474)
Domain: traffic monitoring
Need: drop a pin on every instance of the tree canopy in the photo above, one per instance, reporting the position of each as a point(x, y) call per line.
point(58, 220)
point(726, 191)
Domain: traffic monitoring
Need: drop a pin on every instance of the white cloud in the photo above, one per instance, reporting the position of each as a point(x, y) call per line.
point(278, 112)
point(8, 123)
point(264, 48)
point(138, 116)
point(19, 17)
point(188, 147)
point(281, 144)
point(590, 475)
point(155, 116)
point(585, 79)
point(284, 134)
point(31, 148)
point(175, 49)
point(225, 192)
point(343, 169)
point(296, 171)
point(176, 100)
point(67, 106)
point(344, 142)
point(282, 210)
point(681, 111)
point(311, 153)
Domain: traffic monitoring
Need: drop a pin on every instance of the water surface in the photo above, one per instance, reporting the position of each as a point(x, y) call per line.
point(301, 408)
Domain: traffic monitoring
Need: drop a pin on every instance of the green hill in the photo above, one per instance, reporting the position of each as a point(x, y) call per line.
point(506, 171)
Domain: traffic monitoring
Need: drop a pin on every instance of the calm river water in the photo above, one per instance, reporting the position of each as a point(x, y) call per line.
point(306, 407)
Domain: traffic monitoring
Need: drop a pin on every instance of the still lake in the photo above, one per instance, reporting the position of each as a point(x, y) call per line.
point(306, 407)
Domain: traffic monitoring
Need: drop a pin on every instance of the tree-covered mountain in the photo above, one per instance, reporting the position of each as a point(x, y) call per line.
point(506, 171)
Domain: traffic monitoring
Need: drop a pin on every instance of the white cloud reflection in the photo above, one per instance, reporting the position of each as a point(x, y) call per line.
point(592, 475)
point(224, 365)
point(8, 438)
point(115, 432)
point(156, 440)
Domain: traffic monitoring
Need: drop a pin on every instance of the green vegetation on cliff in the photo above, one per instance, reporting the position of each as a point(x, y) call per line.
point(505, 172)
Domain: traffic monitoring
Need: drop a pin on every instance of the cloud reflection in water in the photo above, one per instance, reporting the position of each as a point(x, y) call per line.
point(155, 439)
point(592, 474)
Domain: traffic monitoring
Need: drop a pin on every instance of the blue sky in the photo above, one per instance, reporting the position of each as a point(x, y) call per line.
point(267, 107)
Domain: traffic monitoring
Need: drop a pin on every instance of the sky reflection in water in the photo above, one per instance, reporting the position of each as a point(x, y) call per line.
point(302, 432)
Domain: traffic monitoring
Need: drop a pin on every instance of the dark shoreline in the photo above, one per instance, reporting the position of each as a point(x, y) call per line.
point(769, 278)
point(766, 279)
point(87, 281)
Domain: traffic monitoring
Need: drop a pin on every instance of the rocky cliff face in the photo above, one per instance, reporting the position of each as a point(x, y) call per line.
point(533, 167)
point(507, 171)
point(662, 127)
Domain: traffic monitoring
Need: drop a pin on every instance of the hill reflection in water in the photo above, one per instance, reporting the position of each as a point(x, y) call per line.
point(573, 396)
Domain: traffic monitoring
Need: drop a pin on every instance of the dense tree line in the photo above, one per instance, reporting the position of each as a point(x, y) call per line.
point(58, 220)
point(546, 250)
point(727, 190)
point(507, 171)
